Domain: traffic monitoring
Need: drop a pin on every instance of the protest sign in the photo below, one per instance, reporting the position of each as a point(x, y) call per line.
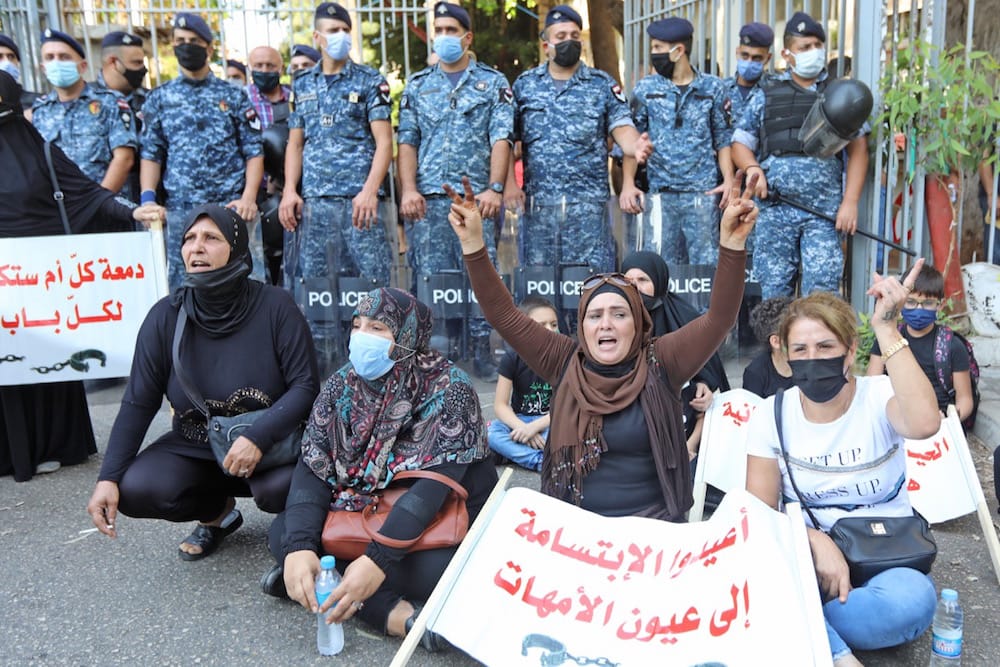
point(545, 576)
point(722, 457)
point(71, 306)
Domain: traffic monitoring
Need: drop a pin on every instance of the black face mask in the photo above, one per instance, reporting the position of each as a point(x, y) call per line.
point(819, 379)
point(651, 302)
point(134, 77)
point(266, 81)
point(191, 57)
point(663, 65)
point(567, 53)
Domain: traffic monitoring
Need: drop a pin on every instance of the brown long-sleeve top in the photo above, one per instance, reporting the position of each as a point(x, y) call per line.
point(679, 353)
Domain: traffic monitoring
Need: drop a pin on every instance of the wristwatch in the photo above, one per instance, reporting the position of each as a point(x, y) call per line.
point(497, 187)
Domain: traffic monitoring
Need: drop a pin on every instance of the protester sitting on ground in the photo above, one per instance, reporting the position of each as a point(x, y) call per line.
point(941, 354)
point(397, 406)
point(616, 441)
point(245, 347)
point(768, 371)
point(669, 312)
point(521, 403)
point(843, 437)
point(45, 426)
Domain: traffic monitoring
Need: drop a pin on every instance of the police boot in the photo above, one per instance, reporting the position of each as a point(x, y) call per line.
point(483, 364)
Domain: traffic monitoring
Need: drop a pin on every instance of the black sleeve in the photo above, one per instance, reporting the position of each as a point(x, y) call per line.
point(305, 511)
point(959, 356)
point(754, 379)
point(112, 216)
point(404, 524)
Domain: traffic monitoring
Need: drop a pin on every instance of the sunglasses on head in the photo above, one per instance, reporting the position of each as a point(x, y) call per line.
point(598, 279)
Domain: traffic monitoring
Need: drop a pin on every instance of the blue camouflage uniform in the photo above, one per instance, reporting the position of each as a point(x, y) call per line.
point(738, 97)
point(687, 129)
point(563, 131)
point(135, 100)
point(454, 129)
point(335, 113)
point(786, 235)
point(202, 133)
point(89, 128)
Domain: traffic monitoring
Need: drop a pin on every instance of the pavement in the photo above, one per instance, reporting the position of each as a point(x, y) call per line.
point(70, 596)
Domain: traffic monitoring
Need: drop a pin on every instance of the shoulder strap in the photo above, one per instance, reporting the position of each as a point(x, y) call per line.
point(778, 398)
point(189, 389)
point(57, 193)
point(942, 358)
point(435, 476)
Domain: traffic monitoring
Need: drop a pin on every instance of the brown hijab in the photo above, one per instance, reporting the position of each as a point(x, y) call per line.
point(589, 390)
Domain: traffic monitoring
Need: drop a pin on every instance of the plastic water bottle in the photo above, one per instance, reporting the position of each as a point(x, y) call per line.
point(947, 646)
point(329, 636)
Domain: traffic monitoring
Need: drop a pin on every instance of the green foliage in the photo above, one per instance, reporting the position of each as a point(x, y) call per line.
point(947, 106)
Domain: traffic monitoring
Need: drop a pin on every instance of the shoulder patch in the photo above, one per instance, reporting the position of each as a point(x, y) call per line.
point(404, 103)
point(383, 93)
point(223, 106)
point(616, 90)
point(252, 120)
point(123, 105)
point(94, 107)
point(506, 95)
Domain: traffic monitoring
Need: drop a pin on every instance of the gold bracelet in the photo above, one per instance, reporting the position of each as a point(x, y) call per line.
point(894, 348)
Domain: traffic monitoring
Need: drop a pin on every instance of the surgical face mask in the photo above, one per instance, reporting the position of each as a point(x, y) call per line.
point(819, 379)
point(62, 73)
point(449, 48)
point(12, 69)
point(919, 318)
point(567, 53)
point(662, 63)
point(266, 81)
point(191, 57)
point(134, 77)
point(369, 354)
point(338, 44)
point(808, 64)
point(749, 70)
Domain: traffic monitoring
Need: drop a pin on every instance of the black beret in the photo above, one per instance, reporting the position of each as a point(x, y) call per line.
point(561, 14)
point(803, 25)
point(120, 38)
point(238, 65)
point(673, 29)
point(9, 43)
point(453, 11)
point(331, 10)
point(51, 35)
point(307, 51)
point(194, 23)
point(756, 34)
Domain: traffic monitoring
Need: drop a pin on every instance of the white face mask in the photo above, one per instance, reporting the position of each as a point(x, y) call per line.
point(808, 64)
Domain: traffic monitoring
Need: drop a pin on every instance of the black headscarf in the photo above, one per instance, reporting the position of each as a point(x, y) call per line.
point(25, 185)
point(669, 312)
point(220, 301)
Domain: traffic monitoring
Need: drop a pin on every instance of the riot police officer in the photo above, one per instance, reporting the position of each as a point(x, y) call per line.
point(563, 113)
point(202, 136)
point(455, 120)
point(753, 53)
point(788, 236)
point(684, 112)
point(123, 69)
point(93, 126)
point(339, 148)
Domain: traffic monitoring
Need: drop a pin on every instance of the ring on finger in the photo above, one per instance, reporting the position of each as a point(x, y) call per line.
point(358, 606)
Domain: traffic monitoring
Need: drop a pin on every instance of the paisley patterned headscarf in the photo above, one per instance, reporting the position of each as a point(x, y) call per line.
point(422, 413)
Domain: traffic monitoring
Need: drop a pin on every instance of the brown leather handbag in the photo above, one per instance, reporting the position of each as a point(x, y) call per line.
point(347, 534)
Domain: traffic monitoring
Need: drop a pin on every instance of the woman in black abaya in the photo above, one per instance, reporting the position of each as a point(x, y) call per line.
point(47, 423)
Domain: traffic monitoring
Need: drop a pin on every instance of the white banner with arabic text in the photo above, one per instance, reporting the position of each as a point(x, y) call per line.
point(71, 306)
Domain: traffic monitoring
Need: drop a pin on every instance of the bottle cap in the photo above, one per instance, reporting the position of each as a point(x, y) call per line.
point(329, 562)
point(949, 594)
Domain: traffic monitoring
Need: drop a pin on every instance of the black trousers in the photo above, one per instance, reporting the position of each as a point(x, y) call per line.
point(165, 484)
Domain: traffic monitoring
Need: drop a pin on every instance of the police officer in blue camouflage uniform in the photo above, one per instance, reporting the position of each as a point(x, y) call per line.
point(303, 57)
point(202, 135)
point(690, 168)
point(123, 69)
point(563, 113)
point(455, 120)
point(93, 126)
point(788, 236)
point(752, 56)
point(339, 147)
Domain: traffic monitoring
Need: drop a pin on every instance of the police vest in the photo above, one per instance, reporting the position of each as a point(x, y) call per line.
point(786, 105)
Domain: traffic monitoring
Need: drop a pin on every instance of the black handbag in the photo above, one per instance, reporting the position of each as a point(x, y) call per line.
point(871, 544)
point(223, 431)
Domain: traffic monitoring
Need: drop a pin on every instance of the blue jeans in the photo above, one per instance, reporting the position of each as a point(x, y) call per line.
point(892, 608)
point(523, 455)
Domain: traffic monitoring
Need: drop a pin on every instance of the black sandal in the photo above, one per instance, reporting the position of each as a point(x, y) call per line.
point(431, 641)
point(210, 537)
